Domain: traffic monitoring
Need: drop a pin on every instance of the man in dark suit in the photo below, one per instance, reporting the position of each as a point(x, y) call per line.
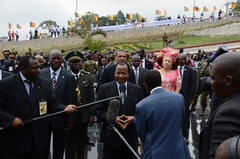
point(139, 73)
point(189, 81)
point(32, 98)
point(144, 63)
point(63, 84)
point(158, 119)
point(76, 138)
point(104, 62)
point(108, 73)
point(224, 122)
point(114, 147)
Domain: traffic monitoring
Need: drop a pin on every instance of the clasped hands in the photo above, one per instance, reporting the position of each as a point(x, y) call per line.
point(123, 121)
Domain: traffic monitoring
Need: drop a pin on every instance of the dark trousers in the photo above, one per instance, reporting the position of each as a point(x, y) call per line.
point(32, 154)
point(76, 141)
point(59, 141)
point(186, 123)
point(122, 152)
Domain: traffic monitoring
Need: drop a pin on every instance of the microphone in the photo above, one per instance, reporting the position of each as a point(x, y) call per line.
point(113, 110)
point(122, 89)
point(223, 49)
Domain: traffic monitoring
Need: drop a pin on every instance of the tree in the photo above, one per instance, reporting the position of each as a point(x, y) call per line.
point(120, 17)
point(86, 33)
point(48, 24)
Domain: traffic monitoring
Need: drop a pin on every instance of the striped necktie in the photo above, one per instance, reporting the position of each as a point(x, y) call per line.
point(53, 80)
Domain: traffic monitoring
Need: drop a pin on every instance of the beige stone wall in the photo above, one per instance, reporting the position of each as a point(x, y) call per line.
point(130, 35)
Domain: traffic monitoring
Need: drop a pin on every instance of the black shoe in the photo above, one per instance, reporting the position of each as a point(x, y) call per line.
point(90, 143)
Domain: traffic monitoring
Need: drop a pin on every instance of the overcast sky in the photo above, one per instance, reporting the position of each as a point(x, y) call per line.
point(23, 11)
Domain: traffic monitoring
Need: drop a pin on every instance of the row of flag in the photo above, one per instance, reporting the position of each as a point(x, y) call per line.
point(158, 12)
point(205, 9)
point(137, 17)
point(32, 25)
point(10, 26)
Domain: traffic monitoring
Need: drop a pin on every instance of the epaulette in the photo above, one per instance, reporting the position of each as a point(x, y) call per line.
point(85, 72)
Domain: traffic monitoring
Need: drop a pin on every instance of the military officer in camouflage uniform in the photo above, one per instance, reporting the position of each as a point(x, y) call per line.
point(4, 60)
point(12, 64)
point(203, 72)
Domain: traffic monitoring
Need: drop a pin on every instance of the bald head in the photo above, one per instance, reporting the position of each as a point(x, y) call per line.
point(182, 59)
point(225, 74)
point(223, 150)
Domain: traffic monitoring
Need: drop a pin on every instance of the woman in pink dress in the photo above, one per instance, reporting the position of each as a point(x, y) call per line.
point(171, 77)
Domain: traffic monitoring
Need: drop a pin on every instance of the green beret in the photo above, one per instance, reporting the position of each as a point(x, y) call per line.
point(28, 53)
point(74, 55)
point(11, 54)
point(6, 52)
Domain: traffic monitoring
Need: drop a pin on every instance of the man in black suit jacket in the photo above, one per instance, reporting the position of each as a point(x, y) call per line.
point(139, 74)
point(23, 140)
point(104, 62)
point(145, 63)
point(224, 122)
point(65, 92)
point(108, 73)
point(189, 81)
point(114, 147)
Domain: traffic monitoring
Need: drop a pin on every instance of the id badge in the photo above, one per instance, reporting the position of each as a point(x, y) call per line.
point(10, 68)
point(42, 107)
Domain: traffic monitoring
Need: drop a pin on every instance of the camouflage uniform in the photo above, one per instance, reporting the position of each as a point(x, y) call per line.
point(90, 66)
point(202, 72)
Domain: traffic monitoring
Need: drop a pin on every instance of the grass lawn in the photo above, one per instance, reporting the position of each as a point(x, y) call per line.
point(192, 41)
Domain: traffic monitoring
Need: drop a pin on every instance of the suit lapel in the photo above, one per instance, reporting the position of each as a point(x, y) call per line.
point(36, 90)
point(21, 87)
point(60, 79)
point(185, 73)
point(114, 89)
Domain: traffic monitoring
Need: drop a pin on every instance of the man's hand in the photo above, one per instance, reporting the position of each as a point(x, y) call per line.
point(123, 121)
point(128, 120)
point(17, 123)
point(120, 121)
point(91, 121)
point(70, 109)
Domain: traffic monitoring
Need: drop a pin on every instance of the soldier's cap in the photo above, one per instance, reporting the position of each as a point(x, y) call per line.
point(140, 50)
point(11, 55)
point(74, 56)
point(6, 52)
point(28, 53)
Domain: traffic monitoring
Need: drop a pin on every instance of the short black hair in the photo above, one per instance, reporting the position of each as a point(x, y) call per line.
point(24, 60)
point(152, 78)
point(122, 63)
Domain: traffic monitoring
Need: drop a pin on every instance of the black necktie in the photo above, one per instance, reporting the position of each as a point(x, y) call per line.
point(76, 79)
point(180, 69)
point(30, 91)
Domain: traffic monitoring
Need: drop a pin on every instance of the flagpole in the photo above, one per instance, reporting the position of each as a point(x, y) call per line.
point(193, 6)
point(76, 13)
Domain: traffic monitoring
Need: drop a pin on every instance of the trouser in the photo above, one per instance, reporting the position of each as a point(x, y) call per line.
point(32, 154)
point(203, 100)
point(76, 141)
point(59, 141)
point(186, 122)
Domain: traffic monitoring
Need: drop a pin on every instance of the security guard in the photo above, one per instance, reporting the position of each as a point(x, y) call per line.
point(12, 64)
point(77, 137)
point(4, 60)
